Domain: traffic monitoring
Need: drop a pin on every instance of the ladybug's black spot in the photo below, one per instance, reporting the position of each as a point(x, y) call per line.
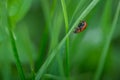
point(81, 24)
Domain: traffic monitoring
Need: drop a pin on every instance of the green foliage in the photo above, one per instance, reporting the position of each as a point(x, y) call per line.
point(37, 40)
point(107, 44)
point(17, 9)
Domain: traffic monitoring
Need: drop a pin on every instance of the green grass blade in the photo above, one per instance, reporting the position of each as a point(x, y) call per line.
point(14, 47)
point(67, 71)
point(45, 36)
point(106, 47)
point(12, 37)
point(54, 52)
point(65, 14)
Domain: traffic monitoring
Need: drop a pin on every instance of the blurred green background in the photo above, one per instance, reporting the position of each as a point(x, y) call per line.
point(39, 27)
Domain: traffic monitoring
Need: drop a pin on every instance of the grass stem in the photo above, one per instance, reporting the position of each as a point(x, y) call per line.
point(67, 40)
point(14, 47)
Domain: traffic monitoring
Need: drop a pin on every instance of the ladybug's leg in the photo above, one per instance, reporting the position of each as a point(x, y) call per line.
point(75, 31)
point(77, 28)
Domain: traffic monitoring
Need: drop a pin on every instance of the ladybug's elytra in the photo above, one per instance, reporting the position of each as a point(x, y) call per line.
point(82, 25)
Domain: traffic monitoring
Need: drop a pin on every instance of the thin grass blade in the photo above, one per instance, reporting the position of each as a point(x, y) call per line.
point(54, 52)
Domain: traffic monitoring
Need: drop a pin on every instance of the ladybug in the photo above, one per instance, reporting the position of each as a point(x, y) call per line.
point(81, 26)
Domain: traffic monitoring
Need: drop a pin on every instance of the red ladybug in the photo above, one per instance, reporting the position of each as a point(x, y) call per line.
point(82, 25)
